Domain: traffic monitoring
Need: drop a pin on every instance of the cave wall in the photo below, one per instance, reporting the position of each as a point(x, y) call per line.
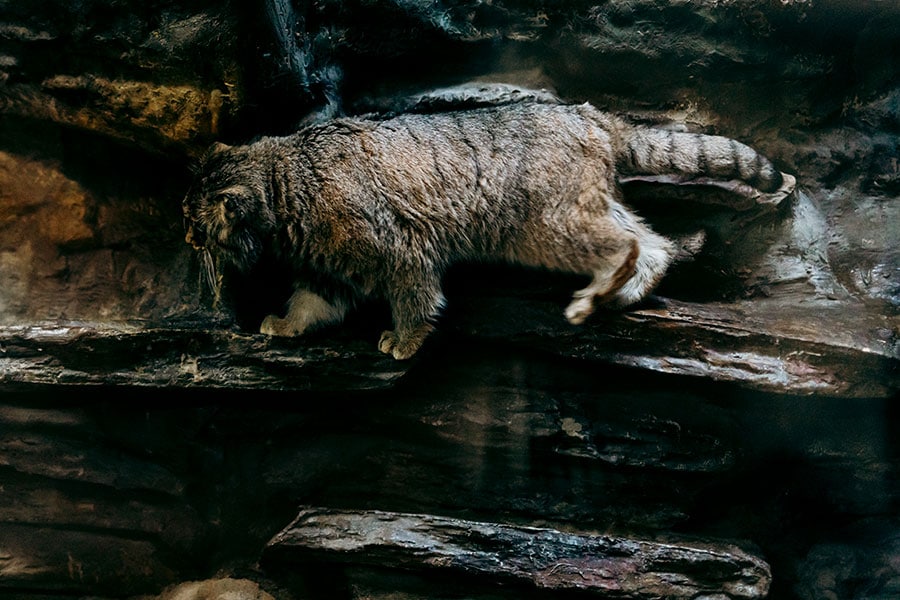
point(755, 408)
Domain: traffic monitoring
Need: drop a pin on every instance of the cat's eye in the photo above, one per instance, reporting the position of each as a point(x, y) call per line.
point(227, 202)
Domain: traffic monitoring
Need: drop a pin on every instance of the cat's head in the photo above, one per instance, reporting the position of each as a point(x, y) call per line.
point(226, 210)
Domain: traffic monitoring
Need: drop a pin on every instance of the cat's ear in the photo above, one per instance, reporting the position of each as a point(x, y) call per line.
point(219, 147)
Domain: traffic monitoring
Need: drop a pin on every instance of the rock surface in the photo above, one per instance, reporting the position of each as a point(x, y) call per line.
point(189, 357)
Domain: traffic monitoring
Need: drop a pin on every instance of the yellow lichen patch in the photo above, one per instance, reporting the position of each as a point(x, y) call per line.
point(180, 113)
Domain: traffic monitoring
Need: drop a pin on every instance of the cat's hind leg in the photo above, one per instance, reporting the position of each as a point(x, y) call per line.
point(617, 269)
point(656, 253)
point(306, 310)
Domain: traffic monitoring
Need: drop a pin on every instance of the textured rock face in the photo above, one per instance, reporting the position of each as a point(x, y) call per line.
point(783, 434)
point(147, 487)
point(100, 103)
point(528, 557)
point(143, 74)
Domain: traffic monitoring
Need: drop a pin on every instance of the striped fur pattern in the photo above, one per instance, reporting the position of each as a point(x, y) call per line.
point(654, 151)
point(358, 207)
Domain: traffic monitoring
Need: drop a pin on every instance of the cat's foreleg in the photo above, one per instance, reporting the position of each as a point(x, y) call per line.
point(306, 310)
point(414, 306)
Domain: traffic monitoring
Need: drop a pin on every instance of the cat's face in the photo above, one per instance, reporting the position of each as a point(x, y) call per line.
point(225, 210)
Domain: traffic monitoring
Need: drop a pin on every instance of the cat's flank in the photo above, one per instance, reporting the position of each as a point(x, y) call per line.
point(358, 207)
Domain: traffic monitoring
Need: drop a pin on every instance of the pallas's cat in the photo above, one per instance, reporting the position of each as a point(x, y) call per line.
point(357, 207)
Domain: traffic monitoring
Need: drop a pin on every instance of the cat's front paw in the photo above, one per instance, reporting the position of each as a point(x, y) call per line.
point(390, 343)
point(274, 325)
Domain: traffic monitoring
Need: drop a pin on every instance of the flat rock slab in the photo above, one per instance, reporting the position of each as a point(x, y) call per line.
point(186, 357)
point(546, 559)
point(767, 346)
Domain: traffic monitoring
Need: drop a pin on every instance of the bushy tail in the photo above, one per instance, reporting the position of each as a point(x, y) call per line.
point(645, 150)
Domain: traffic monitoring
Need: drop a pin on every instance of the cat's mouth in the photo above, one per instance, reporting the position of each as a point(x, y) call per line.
point(200, 242)
point(193, 237)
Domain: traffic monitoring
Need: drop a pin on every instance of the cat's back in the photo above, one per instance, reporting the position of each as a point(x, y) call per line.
point(525, 123)
point(459, 148)
point(497, 128)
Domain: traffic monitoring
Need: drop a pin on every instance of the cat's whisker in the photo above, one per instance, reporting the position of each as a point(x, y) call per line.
point(210, 279)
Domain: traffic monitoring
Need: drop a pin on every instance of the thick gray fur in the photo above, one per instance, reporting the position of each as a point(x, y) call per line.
point(384, 207)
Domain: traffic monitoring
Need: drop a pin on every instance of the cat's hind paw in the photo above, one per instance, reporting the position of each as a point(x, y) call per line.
point(579, 310)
